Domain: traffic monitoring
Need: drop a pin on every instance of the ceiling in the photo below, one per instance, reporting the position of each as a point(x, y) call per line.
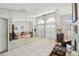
point(35, 8)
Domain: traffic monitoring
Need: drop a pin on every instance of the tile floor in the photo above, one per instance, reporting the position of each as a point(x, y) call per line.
point(35, 47)
point(20, 42)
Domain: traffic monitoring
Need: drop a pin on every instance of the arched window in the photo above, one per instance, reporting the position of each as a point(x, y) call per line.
point(50, 20)
point(41, 22)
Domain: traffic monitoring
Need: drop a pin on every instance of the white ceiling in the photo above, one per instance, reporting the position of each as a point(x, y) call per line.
point(35, 8)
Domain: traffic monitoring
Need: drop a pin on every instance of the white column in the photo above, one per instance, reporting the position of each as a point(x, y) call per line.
point(34, 26)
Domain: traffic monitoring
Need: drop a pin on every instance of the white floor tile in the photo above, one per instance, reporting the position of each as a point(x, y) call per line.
point(32, 47)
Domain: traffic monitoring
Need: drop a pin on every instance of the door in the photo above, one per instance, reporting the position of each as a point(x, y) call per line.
point(40, 31)
point(3, 35)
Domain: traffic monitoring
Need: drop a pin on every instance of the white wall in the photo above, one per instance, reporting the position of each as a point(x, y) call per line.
point(5, 13)
point(14, 15)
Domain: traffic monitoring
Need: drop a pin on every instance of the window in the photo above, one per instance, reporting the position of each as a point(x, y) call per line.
point(40, 26)
point(50, 20)
point(41, 22)
point(50, 26)
point(69, 19)
point(69, 22)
